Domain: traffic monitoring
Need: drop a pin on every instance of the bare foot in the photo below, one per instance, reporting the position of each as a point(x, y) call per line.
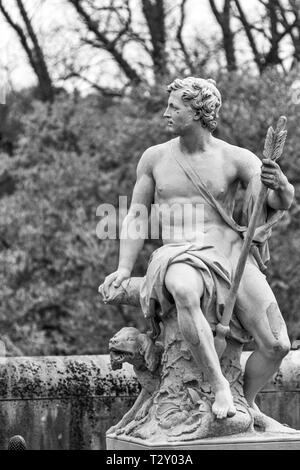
point(223, 406)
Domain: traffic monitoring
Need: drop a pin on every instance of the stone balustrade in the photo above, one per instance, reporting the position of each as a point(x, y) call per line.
point(69, 402)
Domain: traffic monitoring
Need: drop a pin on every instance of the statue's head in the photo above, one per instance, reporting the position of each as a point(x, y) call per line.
point(193, 99)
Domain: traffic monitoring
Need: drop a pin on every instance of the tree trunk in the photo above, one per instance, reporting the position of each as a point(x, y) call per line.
point(41, 69)
point(295, 5)
point(272, 58)
point(33, 51)
point(102, 41)
point(251, 39)
point(224, 19)
point(154, 13)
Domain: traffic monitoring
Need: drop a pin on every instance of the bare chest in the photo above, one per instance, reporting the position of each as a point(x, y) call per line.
point(172, 183)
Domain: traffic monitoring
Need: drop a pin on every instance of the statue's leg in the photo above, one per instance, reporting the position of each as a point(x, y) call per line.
point(259, 313)
point(186, 286)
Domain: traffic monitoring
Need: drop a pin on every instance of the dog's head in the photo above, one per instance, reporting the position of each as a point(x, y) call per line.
point(129, 345)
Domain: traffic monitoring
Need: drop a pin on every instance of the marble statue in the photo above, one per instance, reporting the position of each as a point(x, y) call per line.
point(188, 392)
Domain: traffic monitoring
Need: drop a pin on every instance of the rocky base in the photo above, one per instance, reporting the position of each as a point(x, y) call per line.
point(175, 405)
point(180, 408)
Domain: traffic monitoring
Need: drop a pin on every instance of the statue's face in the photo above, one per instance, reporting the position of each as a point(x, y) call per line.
point(179, 114)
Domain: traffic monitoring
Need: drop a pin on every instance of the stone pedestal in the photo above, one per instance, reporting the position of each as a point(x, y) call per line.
point(253, 441)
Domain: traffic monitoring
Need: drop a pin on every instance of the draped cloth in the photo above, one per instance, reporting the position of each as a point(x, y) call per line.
point(217, 271)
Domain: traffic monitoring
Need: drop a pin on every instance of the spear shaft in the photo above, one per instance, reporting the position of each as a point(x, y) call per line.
point(273, 149)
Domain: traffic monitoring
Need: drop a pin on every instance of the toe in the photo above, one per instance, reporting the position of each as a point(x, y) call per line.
point(231, 412)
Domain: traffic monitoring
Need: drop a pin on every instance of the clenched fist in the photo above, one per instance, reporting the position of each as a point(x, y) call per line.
point(272, 176)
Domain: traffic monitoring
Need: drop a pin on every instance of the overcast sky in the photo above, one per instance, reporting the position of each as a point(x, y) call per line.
point(50, 14)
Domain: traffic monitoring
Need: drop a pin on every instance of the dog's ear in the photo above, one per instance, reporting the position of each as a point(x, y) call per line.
point(149, 351)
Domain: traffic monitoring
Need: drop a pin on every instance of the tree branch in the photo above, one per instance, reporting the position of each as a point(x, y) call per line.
point(105, 91)
point(250, 36)
point(216, 12)
point(39, 59)
point(34, 53)
point(107, 44)
point(19, 32)
point(180, 37)
point(224, 19)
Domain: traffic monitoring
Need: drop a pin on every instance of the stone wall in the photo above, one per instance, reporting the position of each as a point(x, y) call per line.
point(69, 402)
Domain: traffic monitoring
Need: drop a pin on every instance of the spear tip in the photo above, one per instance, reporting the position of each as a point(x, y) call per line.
point(281, 124)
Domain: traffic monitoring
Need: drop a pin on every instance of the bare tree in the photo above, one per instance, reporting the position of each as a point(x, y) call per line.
point(155, 14)
point(200, 51)
point(82, 76)
point(186, 53)
point(250, 35)
point(111, 28)
point(272, 57)
point(274, 26)
point(101, 22)
point(224, 18)
point(293, 27)
point(30, 43)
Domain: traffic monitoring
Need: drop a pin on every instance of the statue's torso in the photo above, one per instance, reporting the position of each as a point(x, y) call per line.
point(191, 218)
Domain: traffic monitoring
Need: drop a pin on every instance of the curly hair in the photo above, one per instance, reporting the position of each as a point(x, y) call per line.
point(203, 96)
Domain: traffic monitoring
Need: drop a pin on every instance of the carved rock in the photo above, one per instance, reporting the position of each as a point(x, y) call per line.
point(176, 400)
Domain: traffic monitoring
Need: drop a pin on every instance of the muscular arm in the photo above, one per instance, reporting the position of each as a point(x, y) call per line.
point(135, 225)
point(281, 192)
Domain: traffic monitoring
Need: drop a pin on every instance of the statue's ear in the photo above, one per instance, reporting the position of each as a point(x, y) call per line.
point(148, 350)
point(197, 115)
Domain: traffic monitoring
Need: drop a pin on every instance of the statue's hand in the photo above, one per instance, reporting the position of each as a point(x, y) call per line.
point(114, 281)
point(272, 175)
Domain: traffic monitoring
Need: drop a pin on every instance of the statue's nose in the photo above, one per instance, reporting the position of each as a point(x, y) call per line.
point(166, 113)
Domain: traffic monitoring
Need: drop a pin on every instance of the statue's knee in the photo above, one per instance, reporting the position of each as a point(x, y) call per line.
point(285, 347)
point(277, 350)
